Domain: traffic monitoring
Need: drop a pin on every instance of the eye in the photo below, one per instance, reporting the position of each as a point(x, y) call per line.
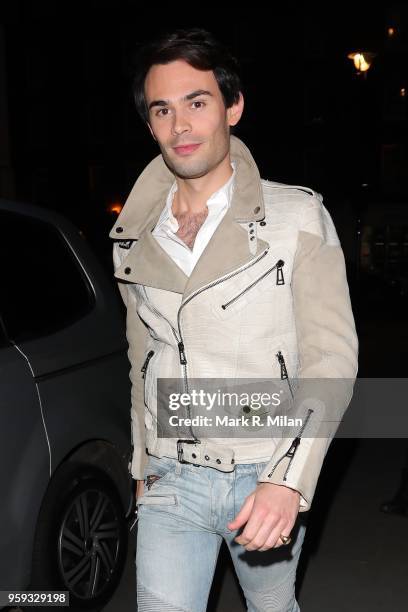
point(199, 104)
point(162, 112)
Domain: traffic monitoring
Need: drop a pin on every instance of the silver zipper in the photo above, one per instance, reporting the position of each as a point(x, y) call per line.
point(284, 371)
point(180, 345)
point(279, 281)
point(145, 365)
point(183, 359)
point(143, 370)
point(293, 447)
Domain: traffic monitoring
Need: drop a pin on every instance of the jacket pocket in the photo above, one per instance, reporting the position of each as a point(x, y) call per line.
point(284, 373)
point(280, 280)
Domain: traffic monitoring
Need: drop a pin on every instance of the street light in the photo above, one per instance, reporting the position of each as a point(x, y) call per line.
point(362, 61)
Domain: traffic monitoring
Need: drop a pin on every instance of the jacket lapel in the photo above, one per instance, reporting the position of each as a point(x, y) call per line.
point(149, 264)
point(226, 250)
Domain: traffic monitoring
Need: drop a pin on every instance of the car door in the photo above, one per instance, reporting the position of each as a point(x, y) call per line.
point(24, 464)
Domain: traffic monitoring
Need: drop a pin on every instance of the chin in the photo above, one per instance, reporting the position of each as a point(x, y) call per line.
point(186, 171)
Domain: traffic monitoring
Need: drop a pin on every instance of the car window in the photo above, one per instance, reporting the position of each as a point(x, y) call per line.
point(43, 288)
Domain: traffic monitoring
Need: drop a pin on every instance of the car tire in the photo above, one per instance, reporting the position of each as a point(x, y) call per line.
point(81, 537)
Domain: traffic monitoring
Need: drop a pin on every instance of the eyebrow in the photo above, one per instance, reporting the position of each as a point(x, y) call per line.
point(190, 96)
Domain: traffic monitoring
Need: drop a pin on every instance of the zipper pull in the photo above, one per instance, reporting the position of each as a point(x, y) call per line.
point(284, 372)
point(279, 272)
point(293, 448)
point(146, 362)
point(183, 359)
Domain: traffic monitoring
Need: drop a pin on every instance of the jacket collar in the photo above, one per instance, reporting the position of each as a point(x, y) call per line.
point(148, 264)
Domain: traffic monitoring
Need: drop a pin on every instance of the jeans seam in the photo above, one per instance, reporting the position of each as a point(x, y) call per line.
point(160, 597)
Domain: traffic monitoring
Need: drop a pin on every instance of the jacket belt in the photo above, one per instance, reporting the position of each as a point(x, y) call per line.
point(198, 453)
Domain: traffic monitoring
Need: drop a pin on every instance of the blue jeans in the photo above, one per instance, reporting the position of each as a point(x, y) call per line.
point(182, 520)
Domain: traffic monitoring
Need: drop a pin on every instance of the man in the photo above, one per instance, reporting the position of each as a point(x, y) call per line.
point(224, 275)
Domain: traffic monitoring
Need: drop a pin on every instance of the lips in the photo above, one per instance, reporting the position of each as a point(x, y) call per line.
point(186, 149)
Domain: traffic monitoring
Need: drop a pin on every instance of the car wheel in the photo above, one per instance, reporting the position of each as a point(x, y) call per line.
point(81, 537)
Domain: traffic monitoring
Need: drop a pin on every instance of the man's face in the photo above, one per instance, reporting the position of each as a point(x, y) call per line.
point(188, 118)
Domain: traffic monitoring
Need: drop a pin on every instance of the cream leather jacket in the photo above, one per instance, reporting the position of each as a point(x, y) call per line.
point(267, 298)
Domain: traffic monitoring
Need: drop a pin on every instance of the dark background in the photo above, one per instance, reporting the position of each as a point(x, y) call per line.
point(70, 138)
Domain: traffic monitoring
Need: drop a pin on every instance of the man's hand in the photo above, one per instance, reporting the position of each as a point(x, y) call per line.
point(139, 488)
point(268, 512)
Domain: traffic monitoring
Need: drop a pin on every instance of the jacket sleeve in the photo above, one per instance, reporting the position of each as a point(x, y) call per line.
point(136, 333)
point(328, 349)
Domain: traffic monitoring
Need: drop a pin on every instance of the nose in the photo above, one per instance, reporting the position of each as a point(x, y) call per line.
point(180, 124)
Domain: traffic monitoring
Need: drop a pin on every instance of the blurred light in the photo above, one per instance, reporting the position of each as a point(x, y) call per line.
point(403, 92)
point(115, 208)
point(391, 32)
point(362, 60)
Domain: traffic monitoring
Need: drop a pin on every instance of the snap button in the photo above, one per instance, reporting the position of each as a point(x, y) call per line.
point(252, 231)
point(262, 223)
point(257, 209)
point(252, 238)
point(193, 455)
point(232, 460)
point(218, 460)
point(119, 230)
point(127, 270)
point(206, 457)
point(246, 409)
point(251, 224)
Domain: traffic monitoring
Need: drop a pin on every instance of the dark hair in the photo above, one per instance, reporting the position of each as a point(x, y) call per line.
point(198, 48)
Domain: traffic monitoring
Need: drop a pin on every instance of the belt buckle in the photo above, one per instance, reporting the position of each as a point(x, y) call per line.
point(180, 450)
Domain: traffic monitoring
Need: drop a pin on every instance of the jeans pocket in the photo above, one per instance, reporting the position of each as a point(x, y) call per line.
point(157, 499)
point(158, 471)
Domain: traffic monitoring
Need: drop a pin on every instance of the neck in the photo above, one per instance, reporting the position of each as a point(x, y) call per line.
point(192, 194)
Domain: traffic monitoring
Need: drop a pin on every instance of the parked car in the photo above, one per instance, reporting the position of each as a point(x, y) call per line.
point(66, 490)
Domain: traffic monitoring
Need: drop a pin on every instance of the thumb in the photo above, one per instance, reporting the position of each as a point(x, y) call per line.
point(243, 514)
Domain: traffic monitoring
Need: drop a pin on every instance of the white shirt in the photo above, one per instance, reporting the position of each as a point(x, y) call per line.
point(167, 226)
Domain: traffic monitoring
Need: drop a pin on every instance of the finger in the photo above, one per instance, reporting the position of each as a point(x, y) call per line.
point(259, 520)
point(243, 515)
point(258, 540)
point(273, 540)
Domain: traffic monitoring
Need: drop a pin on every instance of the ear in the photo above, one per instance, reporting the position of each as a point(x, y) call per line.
point(151, 131)
point(235, 111)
